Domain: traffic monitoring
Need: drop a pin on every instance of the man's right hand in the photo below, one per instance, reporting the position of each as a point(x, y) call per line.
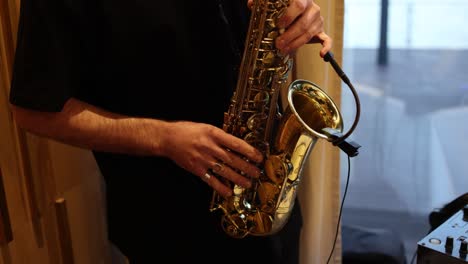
point(202, 148)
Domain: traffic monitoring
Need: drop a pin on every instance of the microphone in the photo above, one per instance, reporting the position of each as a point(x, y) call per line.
point(329, 58)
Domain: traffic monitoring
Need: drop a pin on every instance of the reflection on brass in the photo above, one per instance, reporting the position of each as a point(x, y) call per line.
point(286, 139)
point(63, 225)
point(6, 234)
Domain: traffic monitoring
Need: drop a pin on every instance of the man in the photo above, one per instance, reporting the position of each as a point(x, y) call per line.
point(144, 85)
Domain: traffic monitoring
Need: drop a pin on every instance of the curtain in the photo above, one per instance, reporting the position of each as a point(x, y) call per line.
point(319, 192)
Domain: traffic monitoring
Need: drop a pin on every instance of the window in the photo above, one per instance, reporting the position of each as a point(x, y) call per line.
point(414, 113)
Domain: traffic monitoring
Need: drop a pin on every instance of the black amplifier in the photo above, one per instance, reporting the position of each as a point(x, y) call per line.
point(447, 244)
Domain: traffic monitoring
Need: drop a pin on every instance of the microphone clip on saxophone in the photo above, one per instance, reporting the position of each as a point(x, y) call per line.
point(351, 148)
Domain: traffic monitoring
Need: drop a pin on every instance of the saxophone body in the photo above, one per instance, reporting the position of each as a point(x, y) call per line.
point(285, 137)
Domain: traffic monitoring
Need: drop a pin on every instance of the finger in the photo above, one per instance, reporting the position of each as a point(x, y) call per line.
point(217, 185)
point(231, 175)
point(327, 43)
point(229, 141)
point(300, 33)
point(232, 159)
point(325, 40)
point(232, 162)
point(295, 8)
point(242, 166)
point(250, 4)
point(237, 145)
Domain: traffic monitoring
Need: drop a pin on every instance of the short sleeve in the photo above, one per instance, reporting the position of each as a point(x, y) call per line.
point(46, 57)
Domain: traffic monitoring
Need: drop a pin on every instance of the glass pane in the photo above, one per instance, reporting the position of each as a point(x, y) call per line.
point(413, 126)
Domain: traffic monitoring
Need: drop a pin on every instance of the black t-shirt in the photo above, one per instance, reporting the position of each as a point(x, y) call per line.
point(172, 60)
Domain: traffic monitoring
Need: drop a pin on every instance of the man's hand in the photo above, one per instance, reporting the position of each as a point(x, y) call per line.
point(202, 148)
point(303, 24)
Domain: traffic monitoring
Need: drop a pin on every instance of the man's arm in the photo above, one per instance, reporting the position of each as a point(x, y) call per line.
point(83, 125)
point(196, 147)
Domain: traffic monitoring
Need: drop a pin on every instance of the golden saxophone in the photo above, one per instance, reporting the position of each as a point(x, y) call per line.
point(286, 138)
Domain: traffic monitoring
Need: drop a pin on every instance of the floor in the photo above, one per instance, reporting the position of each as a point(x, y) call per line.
point(395, 227)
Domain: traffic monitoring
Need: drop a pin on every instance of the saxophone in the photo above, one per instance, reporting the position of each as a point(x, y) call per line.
point(286, 138)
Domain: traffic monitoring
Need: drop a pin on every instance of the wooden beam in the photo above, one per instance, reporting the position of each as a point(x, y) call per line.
point(6, 233)
point(63, 226)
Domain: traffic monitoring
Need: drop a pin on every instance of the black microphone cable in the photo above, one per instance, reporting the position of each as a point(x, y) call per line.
point(341, 209)
point(337, 139)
